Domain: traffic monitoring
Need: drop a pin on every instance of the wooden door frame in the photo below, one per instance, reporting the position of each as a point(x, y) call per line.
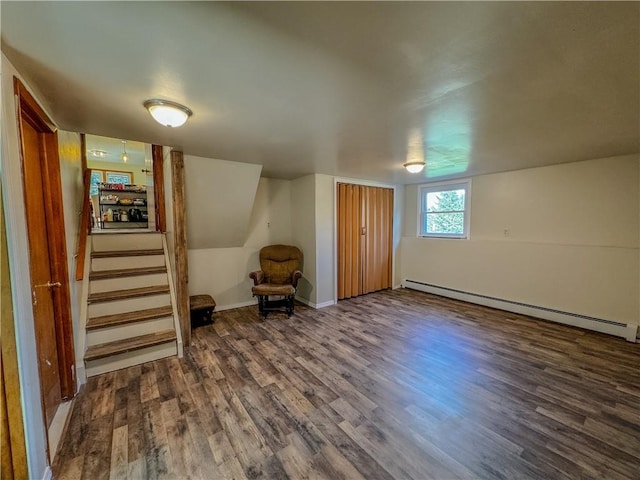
point(158, 187)
point(180, 245)
point(28, 109)
point(12, 408)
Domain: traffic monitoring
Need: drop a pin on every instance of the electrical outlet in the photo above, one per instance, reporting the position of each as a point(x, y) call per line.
point(506, 232)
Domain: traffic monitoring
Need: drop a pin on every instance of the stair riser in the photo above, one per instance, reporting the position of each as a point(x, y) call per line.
point(121, 283)
point(128, 241)
point(121, 332)
point(128, 359)
point(116, 263)
point(129, 305)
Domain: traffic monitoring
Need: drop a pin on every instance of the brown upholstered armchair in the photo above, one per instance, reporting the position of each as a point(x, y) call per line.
point(279, 277)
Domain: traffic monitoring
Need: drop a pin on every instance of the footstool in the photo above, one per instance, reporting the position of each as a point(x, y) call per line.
point(201, 307)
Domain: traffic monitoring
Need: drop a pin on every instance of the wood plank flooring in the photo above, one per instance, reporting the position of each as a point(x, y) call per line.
point(392, 385)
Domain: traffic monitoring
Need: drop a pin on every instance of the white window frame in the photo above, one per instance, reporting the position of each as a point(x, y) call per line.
point(424, 189)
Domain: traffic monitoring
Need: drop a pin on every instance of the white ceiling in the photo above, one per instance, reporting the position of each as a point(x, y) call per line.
point(113, 150)
point(341, 88)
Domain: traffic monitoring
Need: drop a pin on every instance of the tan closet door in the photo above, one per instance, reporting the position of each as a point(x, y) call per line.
point(365, 232)
point(378, 216)
point(349, 240)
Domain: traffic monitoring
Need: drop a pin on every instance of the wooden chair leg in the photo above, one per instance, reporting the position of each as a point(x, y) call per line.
point(290, 303)
point(262, 303)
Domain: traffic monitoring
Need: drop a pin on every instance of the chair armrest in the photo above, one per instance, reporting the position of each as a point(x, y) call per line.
point(258, 277)
point(295, 277)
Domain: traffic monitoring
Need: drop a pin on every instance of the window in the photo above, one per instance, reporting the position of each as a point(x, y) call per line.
point(444, 209)
point(108, 176)
point(96, 178)
point(119, 177)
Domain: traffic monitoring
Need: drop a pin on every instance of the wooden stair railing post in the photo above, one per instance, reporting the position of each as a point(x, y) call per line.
point(180, 245)
point(84, 229)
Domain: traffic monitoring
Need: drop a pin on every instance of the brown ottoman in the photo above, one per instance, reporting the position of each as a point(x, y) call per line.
point(201, 307)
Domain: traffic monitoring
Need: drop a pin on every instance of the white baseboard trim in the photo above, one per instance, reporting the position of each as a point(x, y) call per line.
point(395, 287)
point(255, 302)
point(328, 303)
point(610, 327)
point(633, 333)
point(81, 374)
point(220, 308)
point(315, 305)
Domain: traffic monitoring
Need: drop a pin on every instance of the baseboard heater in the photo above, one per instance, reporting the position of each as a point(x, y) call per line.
point(602, 325)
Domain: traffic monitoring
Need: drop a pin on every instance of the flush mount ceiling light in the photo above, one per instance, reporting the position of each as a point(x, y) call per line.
point(98, 153)
point(414, 167)
point(167, 113)
point(124, 155)
point(415, 151)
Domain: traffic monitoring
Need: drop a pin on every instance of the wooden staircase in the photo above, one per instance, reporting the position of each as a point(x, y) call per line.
point(131, 315)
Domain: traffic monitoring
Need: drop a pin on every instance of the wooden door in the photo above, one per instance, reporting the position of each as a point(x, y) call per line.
point(40, 268)
point(377, 206)
point(47, 253)
point(350, 240)
point(365, 232)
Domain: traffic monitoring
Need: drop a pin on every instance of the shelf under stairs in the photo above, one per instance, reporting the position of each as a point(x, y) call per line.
point(131, 317)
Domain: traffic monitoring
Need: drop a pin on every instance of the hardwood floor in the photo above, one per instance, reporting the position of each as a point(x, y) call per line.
point(397, 384)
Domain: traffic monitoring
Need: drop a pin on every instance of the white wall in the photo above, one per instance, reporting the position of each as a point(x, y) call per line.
point(12, 191)
point(325, 240)
point(398, 226)
point(303, 233)
point(223, 273)
point(572, 244)
point(69, 148)
point(301, 213)
point(219, 197)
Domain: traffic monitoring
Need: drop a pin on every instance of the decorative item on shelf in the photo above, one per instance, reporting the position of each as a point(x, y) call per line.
point(139, 202)
point(126, 201)
point(135, 215)
point(108, 199)
point(124, 216)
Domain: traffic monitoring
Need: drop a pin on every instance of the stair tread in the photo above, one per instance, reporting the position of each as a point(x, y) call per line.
point(103, 350)
point(126, 272)
point(127, 293)
point(127, 253)
point(129, 317)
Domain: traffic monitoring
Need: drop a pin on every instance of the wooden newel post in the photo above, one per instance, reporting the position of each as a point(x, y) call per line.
point(180, 245)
